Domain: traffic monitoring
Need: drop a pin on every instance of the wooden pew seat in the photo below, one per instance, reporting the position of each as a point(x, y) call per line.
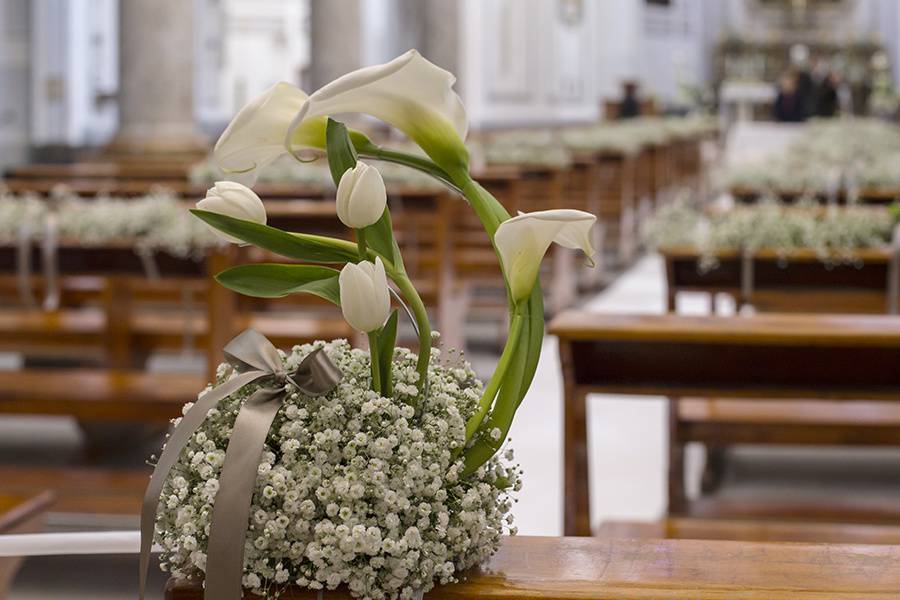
point(98, 394)
point(79, 489)
point(731, 421)
point(544, 568)
point(687, 528)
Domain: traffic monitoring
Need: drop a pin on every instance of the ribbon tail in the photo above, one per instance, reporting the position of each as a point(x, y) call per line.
point(231, 510)
point(169, 456)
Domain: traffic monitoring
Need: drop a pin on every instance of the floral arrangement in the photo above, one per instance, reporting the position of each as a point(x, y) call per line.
point(312, 174)
point(834, 234)
point(155, 222)
point(524, 147)
point(628, 137)
point(377, 469)
point(827, 152)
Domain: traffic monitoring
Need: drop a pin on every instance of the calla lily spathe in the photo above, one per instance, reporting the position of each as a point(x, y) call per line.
point(255, 137)
point(365, 297)
point(523, 240)
point(236, 200)
point(361, 196)
point(410, 93)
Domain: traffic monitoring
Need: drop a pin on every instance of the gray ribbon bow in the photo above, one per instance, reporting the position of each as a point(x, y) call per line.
point(253, 357)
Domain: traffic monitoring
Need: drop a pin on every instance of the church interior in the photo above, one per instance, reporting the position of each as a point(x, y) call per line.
point(699, 369)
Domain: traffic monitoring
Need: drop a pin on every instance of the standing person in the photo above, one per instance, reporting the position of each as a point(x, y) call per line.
point(827, 97)
point(804, 85)
point(630, 106)
point(788, 107)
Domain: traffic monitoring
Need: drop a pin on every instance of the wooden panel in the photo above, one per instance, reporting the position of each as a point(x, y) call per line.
point(104, 395)
point(534, 568)
point(80, 490)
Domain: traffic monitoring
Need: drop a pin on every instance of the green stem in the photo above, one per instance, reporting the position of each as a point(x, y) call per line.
point(490, 392)
point(376, 369)
point(421, 316)
point(361, 244)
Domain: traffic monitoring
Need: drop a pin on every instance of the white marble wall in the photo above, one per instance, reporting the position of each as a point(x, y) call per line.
point(14, 61)
point(527, 61)
point(74, 71)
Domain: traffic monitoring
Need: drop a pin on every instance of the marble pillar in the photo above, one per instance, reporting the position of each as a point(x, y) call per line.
point(156, 100)
point(337, 39)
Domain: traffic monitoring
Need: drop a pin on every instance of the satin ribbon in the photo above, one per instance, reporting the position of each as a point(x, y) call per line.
point(254, 358)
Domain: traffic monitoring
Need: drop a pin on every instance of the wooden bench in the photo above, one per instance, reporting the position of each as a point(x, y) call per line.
point(538, 568)
point(798, 282)
point(80, 490)
point(19, 514)
point(773, 356)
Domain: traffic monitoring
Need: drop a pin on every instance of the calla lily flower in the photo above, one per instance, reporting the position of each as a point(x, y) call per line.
point(365, 297)
point(410, 93)
point(233, 199)
point(255, 137)
point(361, 196)
point(523, 240)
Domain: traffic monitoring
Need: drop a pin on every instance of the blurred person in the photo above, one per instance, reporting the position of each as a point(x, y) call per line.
point(803, 78)
point(630, 106)
point(788, 107)
point(826, 98)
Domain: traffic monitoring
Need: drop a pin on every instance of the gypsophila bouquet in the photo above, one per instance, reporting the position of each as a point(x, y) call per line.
point(834, 234)
point(377, 469)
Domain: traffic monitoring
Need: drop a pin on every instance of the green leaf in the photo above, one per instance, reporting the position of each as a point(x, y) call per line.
point(380, 238)
point(339, 148)
point(268, 280)
point(300, 246)
point(387, 339)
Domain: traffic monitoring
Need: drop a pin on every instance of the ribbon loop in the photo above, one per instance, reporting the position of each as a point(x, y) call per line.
point(254, 358)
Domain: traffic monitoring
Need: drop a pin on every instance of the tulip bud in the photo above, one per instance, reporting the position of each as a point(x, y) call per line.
point(365, 298)
point(236, 200)
point(361, 196)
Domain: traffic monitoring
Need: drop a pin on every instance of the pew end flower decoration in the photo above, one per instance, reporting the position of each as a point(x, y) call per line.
point(389, 480)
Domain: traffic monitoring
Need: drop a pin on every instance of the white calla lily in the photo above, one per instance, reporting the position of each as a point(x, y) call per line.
point(523, 240)
point(361, 196)
point(233, 199)
point(365, 297)
point(255, 137)
point(410, 93)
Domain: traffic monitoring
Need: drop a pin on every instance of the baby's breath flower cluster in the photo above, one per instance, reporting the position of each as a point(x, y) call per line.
point(833, 233)
point(353, 489)
point(156, 221)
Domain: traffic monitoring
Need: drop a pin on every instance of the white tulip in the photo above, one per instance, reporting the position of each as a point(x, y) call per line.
point(233, 200)
point(365, 298)
point(410, 93)
point(361, 196)
point(255, 137)
point(523, 240)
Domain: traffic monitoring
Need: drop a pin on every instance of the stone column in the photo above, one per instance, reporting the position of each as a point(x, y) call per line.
point(337, 38)
point(156, 100)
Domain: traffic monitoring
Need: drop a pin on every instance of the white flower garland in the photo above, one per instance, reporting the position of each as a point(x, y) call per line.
point(354, 489)
point(834, 234)
point(157, 221)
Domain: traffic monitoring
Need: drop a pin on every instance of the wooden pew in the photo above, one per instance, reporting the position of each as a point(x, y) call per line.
point(799, 282)
point(796, 282)
point(19, 514)
point(773, 356)
point(543, 568)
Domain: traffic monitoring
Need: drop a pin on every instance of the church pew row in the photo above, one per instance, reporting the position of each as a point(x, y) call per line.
point(798, 282)
point(773, 357)
point(545, 568)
